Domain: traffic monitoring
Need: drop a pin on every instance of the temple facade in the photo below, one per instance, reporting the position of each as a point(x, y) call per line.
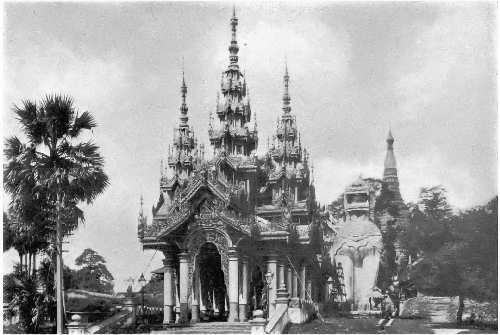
point(239, 231)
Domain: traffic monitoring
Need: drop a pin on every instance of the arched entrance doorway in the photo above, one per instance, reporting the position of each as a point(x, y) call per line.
point(257, 289)
point(213, 290)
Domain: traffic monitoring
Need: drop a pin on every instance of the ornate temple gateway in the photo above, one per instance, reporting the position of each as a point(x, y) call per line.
point(226, 223)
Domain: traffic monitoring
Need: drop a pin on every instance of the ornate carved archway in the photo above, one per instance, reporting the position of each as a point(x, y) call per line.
point(211, 234)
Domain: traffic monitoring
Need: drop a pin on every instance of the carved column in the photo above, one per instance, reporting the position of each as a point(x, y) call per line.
point(282, 276)
point(168, 290)
point(303, 282)
point(195, 303)
point(295, 293)
point(272, 267)
point(184, 285)
point(233, 285)
point(309, 294)
point(244, 290)
point(289, 279)
point(177, 299)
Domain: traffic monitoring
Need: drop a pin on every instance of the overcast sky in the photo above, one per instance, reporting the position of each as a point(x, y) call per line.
point(425, 69)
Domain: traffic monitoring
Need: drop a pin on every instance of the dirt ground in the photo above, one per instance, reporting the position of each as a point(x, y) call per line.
point(343, 325)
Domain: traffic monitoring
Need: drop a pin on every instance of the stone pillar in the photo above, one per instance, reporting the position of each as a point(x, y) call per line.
point(195, 303)
point(76, 326)
point(282, 297)
point(282, 277)
point(177, 301)
point(184, 285)
point(258, 323)
point(233, 285)
point(289, 280)
point(203, 308)
point(272, 267)
point(244, 290)
point(309, 292)
point(303, 282)
point(295, 293)
point(168, 290)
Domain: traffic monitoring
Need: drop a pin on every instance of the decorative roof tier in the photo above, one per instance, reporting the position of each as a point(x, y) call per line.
point(234, 131)
point(287, 170)
point(184, 154)
point(288, 149)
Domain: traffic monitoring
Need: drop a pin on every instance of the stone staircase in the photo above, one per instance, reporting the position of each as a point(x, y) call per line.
point(435, 309)
point(208, 328)
point(442, 309)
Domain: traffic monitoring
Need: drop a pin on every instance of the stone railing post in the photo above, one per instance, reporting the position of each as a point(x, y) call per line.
point(76, 326)
point(258, 323)
point(282, 297)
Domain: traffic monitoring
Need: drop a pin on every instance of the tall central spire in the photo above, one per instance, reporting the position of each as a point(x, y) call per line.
point(233, 47)
point(286, 95)
point(390, 160)
point(390, 168)
point(184, 109)
point(234, 134)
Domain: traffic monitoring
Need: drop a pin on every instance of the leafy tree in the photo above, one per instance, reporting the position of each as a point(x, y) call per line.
point(52, 168)
point(22, 292)
point(433, 201)
point(457, 254)
point(388, 267)
point(50, 174)
point(8, 234)
point(429, 226)
point(476, 251)
point(385, 204)
point(93, 276)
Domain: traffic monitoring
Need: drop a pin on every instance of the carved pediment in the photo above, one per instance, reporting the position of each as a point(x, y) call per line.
point(211, 208)
point(215, 212)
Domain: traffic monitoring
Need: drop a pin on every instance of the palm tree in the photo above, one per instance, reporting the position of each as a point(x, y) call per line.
point(53, 171)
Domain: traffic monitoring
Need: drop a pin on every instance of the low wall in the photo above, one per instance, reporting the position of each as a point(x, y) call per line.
point(302, 313)
point(444, 309)
point(105, 326)
point(122, 319)
point(279, 321)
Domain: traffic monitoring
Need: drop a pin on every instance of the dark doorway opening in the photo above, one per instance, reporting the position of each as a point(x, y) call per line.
point(213, 288)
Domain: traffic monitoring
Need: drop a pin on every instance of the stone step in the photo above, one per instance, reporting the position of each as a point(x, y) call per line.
point(208, 328)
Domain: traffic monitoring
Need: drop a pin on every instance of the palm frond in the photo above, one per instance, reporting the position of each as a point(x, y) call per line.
point(31, 121)
point(85, 154)
point(84, 121)
point(59, 113)
point(13, 147)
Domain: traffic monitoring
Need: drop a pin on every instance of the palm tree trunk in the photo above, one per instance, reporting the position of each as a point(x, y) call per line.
point(34, 264)
point(460, 311)
point(58, 273)
point(29, 265)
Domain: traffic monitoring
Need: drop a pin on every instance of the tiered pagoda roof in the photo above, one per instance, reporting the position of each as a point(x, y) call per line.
point(184, 155)
point(226, 189)
point(288, 175)
point(234, 131)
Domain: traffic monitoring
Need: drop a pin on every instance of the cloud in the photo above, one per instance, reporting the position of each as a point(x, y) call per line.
point(414, 171)
point(443, 60)
point(91, 81)
point(333, 176)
